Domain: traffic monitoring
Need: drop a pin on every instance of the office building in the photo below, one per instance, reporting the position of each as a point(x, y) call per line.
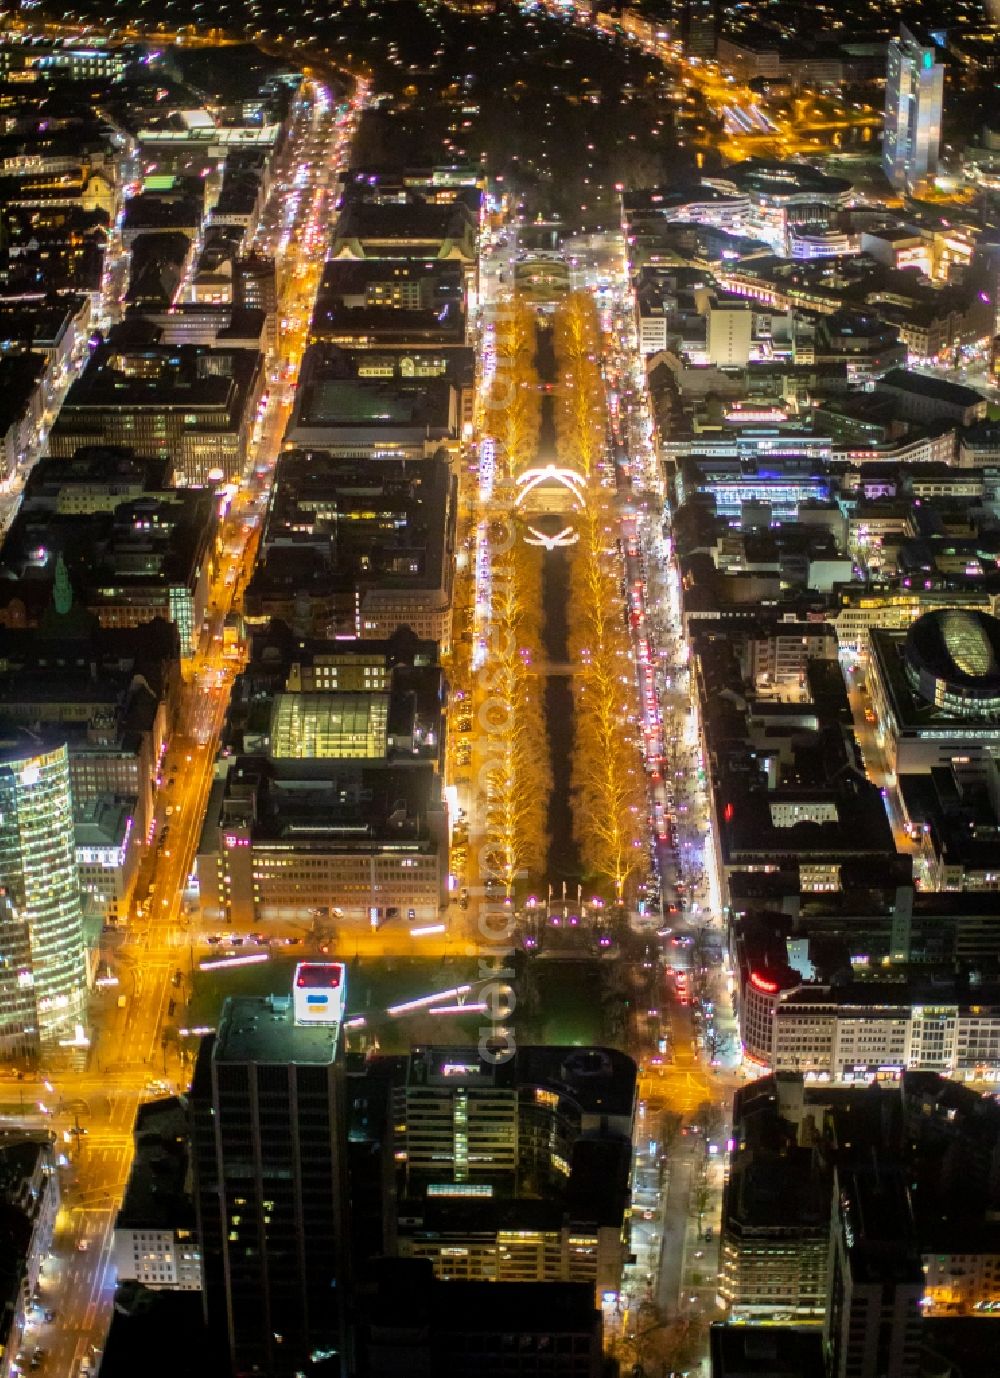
point(695, 24)
point(106, 858)
point(314, 698)
point(391, 230)
point(775, 1228)
point(508, 1125)
point(21, 407)
point(914, 96)
point(915, 397)
point(64, 59)
point(133, 546)
point(388, 303)
point(155, 1240)
point(43, 924)
point(255, 288)
point(357, 547)
point(296, 838)
point(828, 1022)
point(516, 1171)
point(270, 1175)
point(727, 338)
point(329, 798)
point(936, 690)
point(461, 1120)
point(780, 1242)
point(876, 1281)
point(341, 408)
point(111, 694)
point(51, 327)
point(191, 405)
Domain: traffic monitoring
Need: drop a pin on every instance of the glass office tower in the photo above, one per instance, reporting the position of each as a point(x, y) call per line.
point(914, 97)
point(42, 955)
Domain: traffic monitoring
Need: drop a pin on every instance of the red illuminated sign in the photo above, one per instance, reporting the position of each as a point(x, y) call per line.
point(762, 983)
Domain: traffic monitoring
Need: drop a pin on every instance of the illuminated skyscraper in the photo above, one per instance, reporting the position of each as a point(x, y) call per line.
point(269, 1150)
point(43, 980)
point(914, 95)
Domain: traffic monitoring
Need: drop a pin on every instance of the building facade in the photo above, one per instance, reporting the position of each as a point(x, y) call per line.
point(268, 1138)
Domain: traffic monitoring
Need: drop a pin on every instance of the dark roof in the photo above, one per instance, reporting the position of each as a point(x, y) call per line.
point(923, 385)
point(740, 1351)
point(19, 375)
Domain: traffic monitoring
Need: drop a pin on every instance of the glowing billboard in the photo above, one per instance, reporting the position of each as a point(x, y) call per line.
point(319, 992)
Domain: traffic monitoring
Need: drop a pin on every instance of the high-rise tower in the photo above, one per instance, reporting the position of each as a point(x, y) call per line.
point(270, 1145)
point(43, 977)
point(914, 97)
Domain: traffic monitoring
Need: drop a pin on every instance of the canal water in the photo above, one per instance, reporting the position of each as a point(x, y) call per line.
point(564, 862)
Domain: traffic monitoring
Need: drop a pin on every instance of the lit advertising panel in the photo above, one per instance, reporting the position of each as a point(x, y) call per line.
point(319, 992)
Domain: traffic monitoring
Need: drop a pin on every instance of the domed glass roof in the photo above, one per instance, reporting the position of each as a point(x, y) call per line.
point(967, 643)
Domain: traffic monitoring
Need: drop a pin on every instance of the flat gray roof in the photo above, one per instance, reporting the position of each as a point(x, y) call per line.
point(261, 1029)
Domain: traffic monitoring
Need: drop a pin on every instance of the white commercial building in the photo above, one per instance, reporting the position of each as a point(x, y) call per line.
point(865, 1032)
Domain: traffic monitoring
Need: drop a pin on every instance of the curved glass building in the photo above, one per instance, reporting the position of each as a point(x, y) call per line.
point(43, 979)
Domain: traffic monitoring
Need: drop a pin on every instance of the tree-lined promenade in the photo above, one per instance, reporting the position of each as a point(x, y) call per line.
point(608, 783)
point(515, 776)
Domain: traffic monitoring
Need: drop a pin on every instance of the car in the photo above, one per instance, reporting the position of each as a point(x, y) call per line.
point(82, 1245)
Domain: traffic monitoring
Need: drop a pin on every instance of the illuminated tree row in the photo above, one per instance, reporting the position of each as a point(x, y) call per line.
point(511, 409)
point(579, 401)
point(512, 716)
point(609, 797)
point(457, 660)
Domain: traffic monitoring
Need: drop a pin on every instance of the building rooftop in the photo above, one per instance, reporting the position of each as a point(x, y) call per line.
point(925, 385)
point(778, 179)
point(339, 524)
point(878, 1226)
point(143, 1337)
point(958, 646)
point(156, 1195)
point(924, 683)
point(19, 377)
point(773, 1351)
point(601, 1080)
point(332, 804)
point(104, 821)
point(158, 378)
point(338, 406)
point(262, 1029)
